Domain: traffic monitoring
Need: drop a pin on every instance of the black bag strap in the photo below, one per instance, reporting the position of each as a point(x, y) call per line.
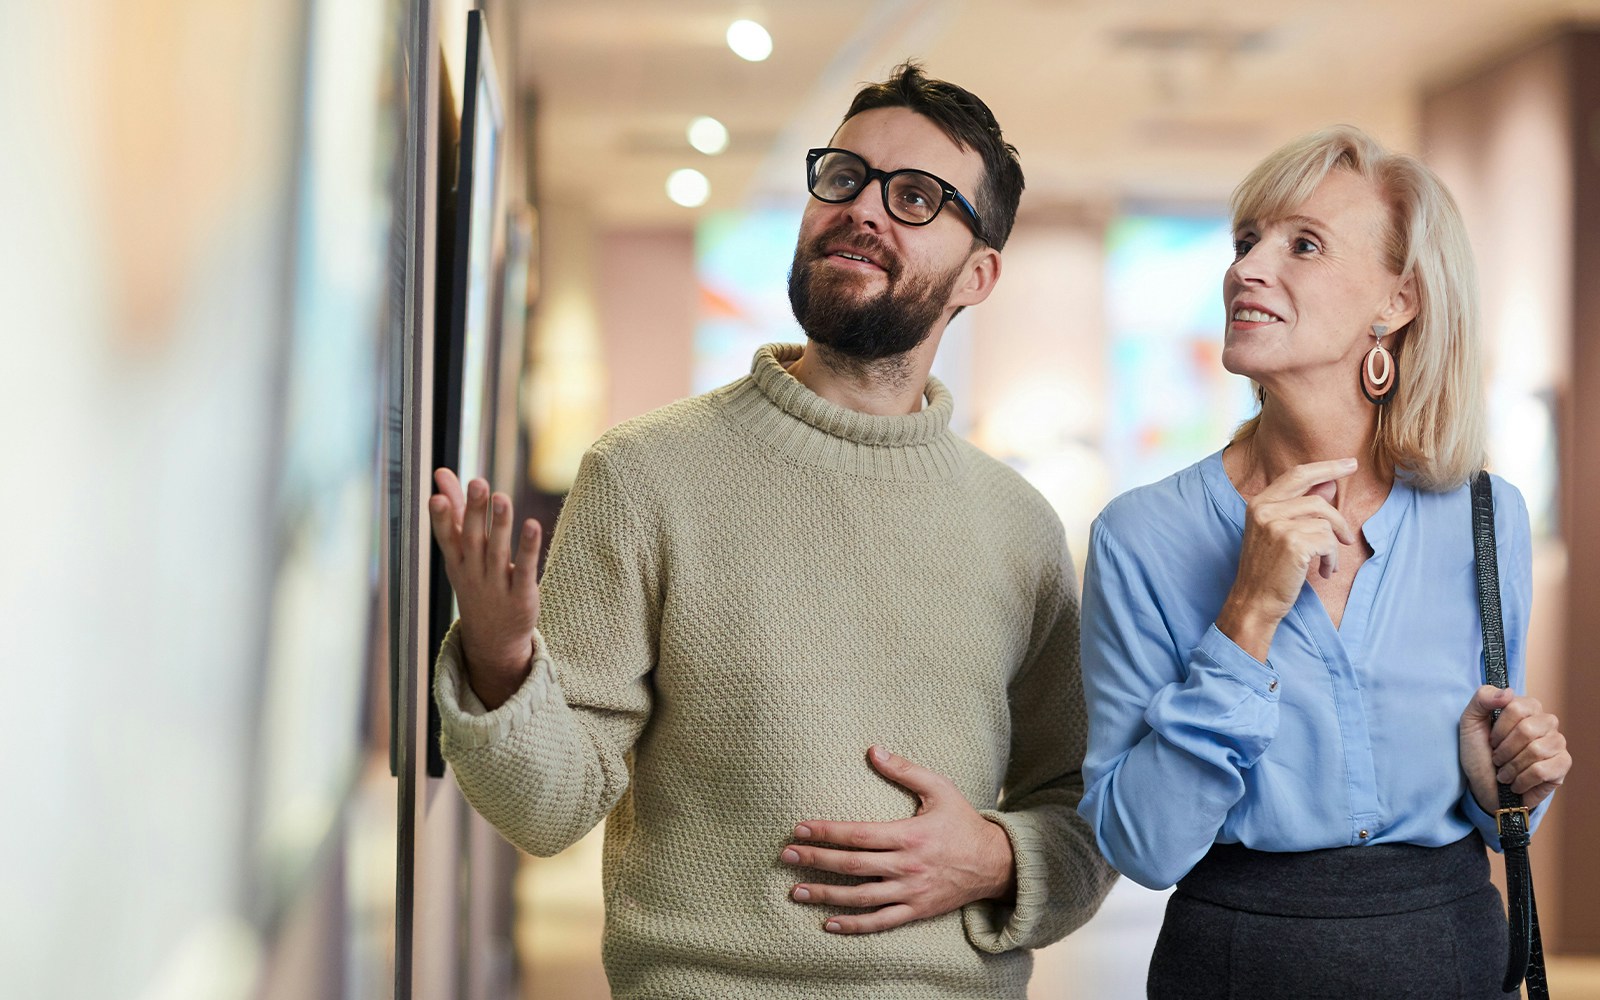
point(1526, 958)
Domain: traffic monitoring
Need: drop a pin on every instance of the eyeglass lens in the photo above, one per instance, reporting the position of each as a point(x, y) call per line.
point(911, 196)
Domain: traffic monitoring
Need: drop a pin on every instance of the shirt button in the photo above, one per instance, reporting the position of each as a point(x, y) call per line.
point(1273, 686)
point(1363, 835)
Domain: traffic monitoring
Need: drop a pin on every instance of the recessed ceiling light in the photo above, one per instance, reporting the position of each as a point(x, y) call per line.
point(749, 40)
point(688, 187)
point(708, 135)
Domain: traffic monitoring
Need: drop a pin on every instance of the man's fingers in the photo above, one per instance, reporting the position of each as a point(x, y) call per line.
point(525, 574)
point(860, 897)
point(449, 501)
point(926, 783)
point(475, 524)
point(863, 864)
point(870, 923)
point(865, 836)
point(450, 486)
point(500, 524)
point(445, 530)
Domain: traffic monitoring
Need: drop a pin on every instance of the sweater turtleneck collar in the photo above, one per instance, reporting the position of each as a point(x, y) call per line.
point(776, 407)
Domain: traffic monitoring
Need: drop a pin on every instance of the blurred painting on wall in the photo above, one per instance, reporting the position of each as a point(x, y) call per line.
point(1172, 403)
point(324, 621)
point(743, 260)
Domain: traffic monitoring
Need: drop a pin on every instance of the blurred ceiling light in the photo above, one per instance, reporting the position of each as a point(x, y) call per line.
point(749, 40)
point(688, 187)
point(708, 135)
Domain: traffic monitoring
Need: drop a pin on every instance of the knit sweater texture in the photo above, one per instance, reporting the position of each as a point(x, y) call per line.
point(745, 591)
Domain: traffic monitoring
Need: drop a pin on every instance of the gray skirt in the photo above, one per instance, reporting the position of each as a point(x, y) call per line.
point(1390, 920)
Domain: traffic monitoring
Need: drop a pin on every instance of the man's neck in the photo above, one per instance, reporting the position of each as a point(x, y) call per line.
point(890, 386)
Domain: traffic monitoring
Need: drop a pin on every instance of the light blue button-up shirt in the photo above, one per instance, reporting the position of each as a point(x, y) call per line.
point(1345, 737)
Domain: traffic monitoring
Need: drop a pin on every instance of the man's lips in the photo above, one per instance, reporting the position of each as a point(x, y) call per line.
point(854, 257)
point(845, 247)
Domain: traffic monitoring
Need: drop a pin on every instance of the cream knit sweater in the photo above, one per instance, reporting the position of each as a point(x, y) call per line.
point(746, 590)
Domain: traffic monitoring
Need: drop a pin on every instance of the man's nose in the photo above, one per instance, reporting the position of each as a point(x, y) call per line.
point(867, 207)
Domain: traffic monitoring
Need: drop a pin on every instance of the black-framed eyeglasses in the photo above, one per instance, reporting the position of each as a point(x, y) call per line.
point(911, 197)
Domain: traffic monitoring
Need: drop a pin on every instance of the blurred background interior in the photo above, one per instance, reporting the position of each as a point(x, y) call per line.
point(267, 261)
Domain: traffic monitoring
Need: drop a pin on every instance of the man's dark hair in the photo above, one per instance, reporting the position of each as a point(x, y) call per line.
point(969, 124)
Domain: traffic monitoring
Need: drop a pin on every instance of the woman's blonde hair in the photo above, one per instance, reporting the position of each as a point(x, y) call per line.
point(1433, 432)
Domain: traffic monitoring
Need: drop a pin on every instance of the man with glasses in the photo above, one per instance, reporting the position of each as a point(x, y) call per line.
point(813, 656)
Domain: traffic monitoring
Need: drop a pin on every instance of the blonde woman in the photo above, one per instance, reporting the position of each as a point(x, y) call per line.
point(1281, 644)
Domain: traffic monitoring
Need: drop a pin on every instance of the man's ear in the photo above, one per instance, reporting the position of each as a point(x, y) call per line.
point(978, 280)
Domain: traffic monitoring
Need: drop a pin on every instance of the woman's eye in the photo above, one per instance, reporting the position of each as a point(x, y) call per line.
point(1303, 245)
point(1242, 247)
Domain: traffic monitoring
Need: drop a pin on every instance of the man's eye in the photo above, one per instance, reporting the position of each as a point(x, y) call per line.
point(914, 199)
point(842, 180)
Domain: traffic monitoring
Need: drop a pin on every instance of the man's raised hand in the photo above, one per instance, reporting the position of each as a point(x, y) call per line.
point(499, 597)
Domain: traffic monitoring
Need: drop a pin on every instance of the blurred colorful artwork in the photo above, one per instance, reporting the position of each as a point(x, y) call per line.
point(1171, 401)
point(326, 522)
point(743, 261)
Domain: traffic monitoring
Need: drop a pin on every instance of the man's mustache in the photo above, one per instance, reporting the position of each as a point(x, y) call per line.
point(845, 236)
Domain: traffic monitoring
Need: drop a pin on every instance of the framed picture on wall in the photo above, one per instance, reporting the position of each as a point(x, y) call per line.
point(466, 349)
point(321, 696)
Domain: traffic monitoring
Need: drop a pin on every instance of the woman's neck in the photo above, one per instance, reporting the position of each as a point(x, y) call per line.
point(1290, 435)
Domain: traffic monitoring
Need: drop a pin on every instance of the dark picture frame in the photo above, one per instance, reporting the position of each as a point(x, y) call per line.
point(467, 331)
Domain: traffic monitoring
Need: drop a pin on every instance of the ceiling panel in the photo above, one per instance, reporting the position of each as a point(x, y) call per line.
point(1105, 100)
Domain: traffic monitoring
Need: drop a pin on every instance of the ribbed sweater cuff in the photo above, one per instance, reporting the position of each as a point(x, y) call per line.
point(997, 927)
point(465, 724)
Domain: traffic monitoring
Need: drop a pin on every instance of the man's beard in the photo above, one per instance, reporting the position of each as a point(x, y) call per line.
point(832, 312)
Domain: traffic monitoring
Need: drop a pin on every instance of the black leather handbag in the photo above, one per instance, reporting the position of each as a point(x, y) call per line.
point(1526, 958)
